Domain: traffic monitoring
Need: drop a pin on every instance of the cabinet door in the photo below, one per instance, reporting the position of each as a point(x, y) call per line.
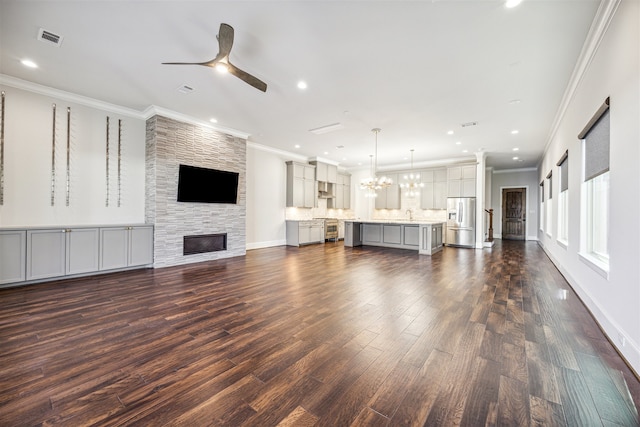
point(469, 172)
point(332, 174)
point(316, 233)
point(13, 251)
point(339, 199)
point(454, 188)
point(304, 234)
point(468, 188)
point(46, 253)
point(393, 196)
point(371, 233)
point(310, 172)
point(440, 175)
point(114, 244)
point(347, 196)
point(321, 172)
point(427, 176)
point(440, 195)
point(82, 250)
point(140, 245)
point(297, 193)
point(309, 194)
point(454, 172)
point(427, 196)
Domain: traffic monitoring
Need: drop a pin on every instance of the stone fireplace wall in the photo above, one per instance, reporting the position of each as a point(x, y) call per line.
point(170, 143)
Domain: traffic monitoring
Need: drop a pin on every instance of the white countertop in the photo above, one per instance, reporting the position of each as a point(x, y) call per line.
point(396, 221)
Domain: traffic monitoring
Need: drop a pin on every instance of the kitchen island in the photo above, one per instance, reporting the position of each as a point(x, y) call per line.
point(423, 236)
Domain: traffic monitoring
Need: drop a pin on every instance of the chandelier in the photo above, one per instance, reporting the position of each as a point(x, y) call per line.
point(373, 183)
point(412, 184)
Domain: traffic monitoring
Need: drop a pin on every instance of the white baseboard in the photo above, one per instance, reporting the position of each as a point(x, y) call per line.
point(499, 236)
point(269, 244)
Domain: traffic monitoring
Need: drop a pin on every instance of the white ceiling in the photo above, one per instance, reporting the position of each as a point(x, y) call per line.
point(415, 69)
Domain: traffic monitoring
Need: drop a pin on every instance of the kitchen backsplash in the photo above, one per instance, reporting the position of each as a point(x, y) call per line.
point(318, 212)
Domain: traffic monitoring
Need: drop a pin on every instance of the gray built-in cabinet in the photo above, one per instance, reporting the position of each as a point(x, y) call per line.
point(301, 185)
point(37, 254)
point(342, 199)
point(325, 172)
point(304, 232)
point(434, 193)
point(462, 181)
point(389, 198)
point(125, 247)
point(13, 256)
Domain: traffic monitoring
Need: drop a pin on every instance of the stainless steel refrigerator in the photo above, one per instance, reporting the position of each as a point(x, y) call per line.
point(461, 222)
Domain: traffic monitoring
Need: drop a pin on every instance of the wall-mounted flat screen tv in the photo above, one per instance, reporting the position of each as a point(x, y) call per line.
point(202, 185)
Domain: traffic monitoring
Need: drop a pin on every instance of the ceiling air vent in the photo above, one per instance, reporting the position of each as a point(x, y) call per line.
point(185, 89)
point(49, 37)
point(468, 124)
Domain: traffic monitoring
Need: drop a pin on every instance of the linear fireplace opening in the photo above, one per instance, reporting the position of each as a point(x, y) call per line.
point(204, 243)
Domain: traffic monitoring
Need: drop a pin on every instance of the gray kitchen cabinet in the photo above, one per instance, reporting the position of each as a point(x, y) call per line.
point(352, 233)
point(431, 238)
point(325, 172)
point(342, 199)
point(461, 181)
point(13, 256)
point(126, 246)
point(434, 193)
point(301, 185)
point(389, 198)
point(304, 232)
point(60, 252)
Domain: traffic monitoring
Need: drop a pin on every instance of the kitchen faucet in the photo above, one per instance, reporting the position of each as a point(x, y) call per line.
point(410, 212)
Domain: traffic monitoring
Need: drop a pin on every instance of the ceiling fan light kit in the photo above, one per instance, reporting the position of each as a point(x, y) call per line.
point(221, 61)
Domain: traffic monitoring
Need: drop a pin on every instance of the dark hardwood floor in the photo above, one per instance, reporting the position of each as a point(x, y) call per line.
point(315, 336)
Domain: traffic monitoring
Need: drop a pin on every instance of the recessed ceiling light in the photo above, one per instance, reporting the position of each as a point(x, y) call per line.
point(516, 149)
point(465, 151)
point(212, 120)
point(29, 63)
point(515, 101)
point(344, 159)
point(302, 85)
point(297, 146)
point(512, 3)
point(458, 143)
point(326, 152)
point(514, 132)
point(359, 163)
point(516, 158)
point(450, 132)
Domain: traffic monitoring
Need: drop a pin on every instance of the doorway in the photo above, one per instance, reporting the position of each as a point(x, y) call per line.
point(514, 213)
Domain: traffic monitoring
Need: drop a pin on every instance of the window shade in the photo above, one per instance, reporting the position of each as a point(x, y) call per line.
point(542, 191)
point(564, 171)
point(550, 185)
point(596, 144)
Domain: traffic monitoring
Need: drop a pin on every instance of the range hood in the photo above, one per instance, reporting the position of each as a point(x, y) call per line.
point(325, 190)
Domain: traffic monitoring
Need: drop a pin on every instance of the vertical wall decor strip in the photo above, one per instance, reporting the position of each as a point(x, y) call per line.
point(107, 170)
point(119, 158)
point(68, 153)
point(53, 156)
point(2, 150)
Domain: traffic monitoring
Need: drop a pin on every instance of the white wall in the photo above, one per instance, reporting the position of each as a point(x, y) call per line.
point(613, 72)
point(525, 178)
point(266, 197)
point(28, 155)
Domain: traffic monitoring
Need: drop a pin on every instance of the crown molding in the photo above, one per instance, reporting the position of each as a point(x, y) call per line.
point(113, 108)
point(604, 15)
point(514, 170)
point(68, 96)
point(285, 154)
point(154, 110)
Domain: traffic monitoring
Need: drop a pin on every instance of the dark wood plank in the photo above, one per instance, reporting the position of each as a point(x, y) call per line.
point(382, 337)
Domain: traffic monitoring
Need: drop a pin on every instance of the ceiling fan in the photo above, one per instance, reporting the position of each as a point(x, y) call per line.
point(221, 61)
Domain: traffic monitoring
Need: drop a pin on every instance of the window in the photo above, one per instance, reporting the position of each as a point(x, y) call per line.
point(542, 206)
point(595, 189)
point(549, 213)
point(563, 199)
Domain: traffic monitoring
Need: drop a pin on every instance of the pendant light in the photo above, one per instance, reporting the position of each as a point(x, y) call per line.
point(412, 183)
point(373, 183)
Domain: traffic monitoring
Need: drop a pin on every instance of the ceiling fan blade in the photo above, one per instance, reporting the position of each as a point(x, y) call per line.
point(225, 40)
point(246, 77)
